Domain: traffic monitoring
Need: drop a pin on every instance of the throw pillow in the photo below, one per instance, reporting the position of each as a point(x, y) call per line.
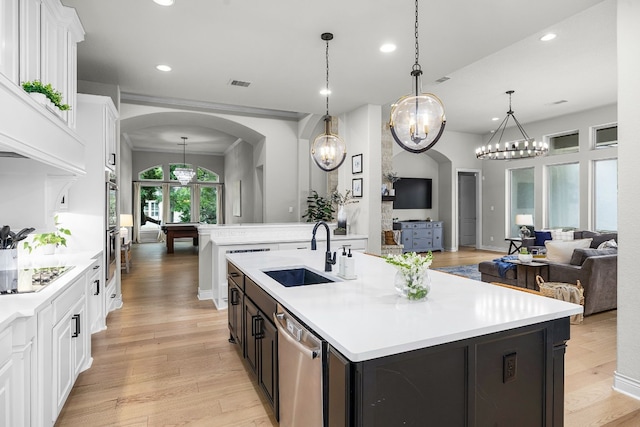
point(562, 235)
point(598, 240)
point(561, 251)
point(581, 254)
point(541, 237)
point(608, 244)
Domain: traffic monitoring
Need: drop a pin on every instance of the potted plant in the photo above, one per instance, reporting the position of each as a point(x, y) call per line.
point(342, 200)
point(524, 255)
point(391, 178)
point(47, 90)
point(318, 208)
point(49, 241)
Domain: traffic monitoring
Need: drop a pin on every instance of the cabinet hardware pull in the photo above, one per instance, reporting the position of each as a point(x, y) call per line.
point(259, 327)
point(112, 159)
point(76, 317)
point(97, 282)
point(234, 274)
point(253, 325)
point(95, 267)
point(235, 294)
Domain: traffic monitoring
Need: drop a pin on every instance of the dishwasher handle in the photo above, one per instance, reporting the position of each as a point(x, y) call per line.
point(281, 323)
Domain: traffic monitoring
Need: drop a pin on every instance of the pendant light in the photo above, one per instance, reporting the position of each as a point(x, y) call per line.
point(328, 150)
point(184, 174)
point(417, 120)
point(520, 149)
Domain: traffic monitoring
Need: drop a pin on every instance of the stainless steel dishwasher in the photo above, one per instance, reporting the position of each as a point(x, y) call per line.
point(300, 373)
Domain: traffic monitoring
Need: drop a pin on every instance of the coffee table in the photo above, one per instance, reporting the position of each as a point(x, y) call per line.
point(526, 273)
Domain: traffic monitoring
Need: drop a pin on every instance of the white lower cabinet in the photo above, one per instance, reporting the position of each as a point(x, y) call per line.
point(6, 382)
point(70, 341)
point(96, 297)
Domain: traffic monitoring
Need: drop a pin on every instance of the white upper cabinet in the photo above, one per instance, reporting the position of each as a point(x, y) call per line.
point(38, 41)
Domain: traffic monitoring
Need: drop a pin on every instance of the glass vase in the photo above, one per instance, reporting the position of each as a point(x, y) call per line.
point(342, 217)
point(413, 286)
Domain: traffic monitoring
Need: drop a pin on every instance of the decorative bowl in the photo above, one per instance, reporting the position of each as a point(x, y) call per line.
point(525, 257)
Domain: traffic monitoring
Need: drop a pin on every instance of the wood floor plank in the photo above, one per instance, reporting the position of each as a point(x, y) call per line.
point(165, 359)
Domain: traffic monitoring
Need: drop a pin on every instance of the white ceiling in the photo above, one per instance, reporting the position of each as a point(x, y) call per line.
point(485, 47)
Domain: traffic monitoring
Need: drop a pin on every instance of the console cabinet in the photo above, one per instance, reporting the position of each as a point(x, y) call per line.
point(420, 236)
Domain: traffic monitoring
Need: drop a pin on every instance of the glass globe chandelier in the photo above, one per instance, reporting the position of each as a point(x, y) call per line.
point(417, 120)
point(328, 150)
point(520, 149)
point(184, 174)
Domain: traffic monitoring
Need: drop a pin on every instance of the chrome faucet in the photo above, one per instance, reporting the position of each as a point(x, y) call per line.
point(328, 259)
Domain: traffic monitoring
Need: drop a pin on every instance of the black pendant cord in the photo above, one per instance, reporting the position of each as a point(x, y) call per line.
point(416, 36)
point(184, 151)
point(327, 79)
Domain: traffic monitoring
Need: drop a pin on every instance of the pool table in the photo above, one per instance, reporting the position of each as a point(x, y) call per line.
point(180, 229)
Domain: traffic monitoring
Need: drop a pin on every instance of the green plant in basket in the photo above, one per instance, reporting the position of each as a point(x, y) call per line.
point(48, 91)
point(412, 272)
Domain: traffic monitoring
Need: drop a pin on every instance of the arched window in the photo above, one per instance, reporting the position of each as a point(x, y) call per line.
point(205, 175)
point(154, 173)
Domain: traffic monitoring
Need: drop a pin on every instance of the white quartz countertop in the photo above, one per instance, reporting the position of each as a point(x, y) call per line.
point(365, 319)
point(28, 304)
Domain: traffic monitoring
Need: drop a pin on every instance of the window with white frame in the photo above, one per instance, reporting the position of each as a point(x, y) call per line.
point(605, 189)
point(563, 196)
point(564, 143)
point(605, 136)
point(522, 189)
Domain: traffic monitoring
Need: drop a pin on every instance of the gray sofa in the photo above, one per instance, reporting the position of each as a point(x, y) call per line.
point(596, 269)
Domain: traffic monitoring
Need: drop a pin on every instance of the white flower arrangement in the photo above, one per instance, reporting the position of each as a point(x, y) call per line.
point(413, 268)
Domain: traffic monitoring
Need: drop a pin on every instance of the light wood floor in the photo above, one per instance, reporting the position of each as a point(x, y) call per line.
point(165, 359)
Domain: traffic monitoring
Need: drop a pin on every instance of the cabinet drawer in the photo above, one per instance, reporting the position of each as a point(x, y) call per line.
point(437, 224)
point(422, 244)
point(262, 300)
point(62, 304)
point(422, 233)
point(235, 275)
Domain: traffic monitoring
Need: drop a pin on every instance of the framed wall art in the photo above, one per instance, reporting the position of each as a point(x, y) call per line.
point(356, 163)
point(356, 187)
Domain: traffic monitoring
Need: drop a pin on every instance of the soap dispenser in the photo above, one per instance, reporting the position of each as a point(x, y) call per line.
point(349, 267)
point(342, 261)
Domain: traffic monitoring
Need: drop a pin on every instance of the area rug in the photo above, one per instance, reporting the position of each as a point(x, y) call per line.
point(470, 271)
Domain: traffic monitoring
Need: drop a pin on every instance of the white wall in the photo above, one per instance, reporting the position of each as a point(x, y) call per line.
point(239, 166)
point(627, 376)
point(362, 136)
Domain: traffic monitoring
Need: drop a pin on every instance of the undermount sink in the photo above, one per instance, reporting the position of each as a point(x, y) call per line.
point(298, 276)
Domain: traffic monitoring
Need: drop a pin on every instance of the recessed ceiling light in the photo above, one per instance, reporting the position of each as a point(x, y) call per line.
point(387, 47)
point(495, 119)
point(325, 92)
point(547, 37)
point(163, 67)
point(164, 2)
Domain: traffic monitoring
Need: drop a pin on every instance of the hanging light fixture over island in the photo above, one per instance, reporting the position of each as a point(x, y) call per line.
point(417, 120)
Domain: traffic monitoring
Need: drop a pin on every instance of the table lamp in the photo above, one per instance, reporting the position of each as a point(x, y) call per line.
point(524, 220)
point(126, 220)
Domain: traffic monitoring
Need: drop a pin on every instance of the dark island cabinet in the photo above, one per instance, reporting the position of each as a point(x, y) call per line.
point(251, 327)
point(507, 378)
point(235, 314)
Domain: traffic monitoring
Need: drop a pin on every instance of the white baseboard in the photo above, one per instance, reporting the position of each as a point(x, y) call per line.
point(626, 385)
point(493, 248)
point(205, 294)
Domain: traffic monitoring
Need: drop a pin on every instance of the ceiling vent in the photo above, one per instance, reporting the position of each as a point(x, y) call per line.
point(443, 79)
point(562, 101)
point(239, 83)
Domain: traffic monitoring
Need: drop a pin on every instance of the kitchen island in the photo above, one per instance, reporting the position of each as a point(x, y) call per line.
point(471, 354)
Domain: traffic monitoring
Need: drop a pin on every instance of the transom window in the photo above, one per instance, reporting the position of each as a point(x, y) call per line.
point(564, 143)
point(605, 136)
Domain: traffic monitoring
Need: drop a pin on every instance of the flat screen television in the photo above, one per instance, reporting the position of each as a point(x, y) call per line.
point(412, 193)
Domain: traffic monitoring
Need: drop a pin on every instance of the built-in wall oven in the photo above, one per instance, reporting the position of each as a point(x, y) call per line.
point(112, 247)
